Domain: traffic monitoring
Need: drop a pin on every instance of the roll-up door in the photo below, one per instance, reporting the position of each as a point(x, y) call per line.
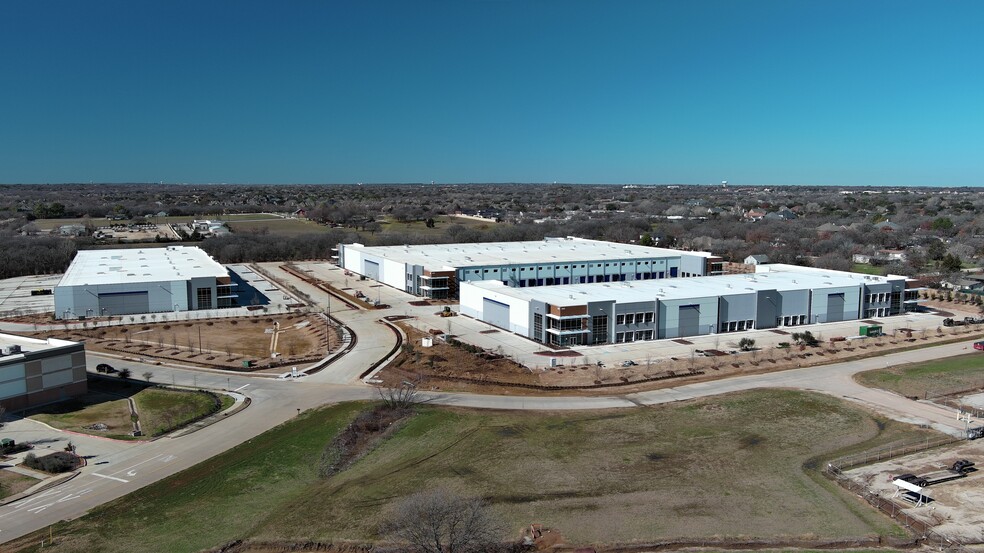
point(689, 320)
point(495, 313)
point(372, 270)
point(122, 303)
point(835, 307)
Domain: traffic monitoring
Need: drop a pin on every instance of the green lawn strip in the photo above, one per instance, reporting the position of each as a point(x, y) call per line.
point(867, 269)
point(94, 407)
point(164, 410)
point(723, 466)
point(218, 500)
point(227, 401)
point(945, 376)
point(13, 483)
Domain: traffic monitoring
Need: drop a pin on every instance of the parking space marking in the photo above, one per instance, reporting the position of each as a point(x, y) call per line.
point(240, 388)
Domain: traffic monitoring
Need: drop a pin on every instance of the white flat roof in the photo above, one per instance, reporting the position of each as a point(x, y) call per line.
point(92, 267)
point(776, 277)
point(548, 250)
point(29, 345)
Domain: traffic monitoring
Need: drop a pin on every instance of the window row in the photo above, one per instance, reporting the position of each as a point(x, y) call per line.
point(635, 318)
point(637, 336)
point(737, 326)
point(793, 320)
point(878, 298)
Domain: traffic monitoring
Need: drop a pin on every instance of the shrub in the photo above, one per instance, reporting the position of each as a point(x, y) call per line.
point(60, 461)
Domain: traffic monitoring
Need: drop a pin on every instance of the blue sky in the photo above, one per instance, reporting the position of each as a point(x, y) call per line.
point(755, 92)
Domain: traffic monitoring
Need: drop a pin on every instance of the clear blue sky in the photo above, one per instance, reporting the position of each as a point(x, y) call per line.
point(756, 92)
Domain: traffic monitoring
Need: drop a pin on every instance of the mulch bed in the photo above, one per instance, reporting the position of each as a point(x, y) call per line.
point(564, 353)
point(781, 332)
point(493, 331)
point(683, 342)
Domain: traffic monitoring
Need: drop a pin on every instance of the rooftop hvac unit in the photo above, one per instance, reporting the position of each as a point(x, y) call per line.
point(12, 350)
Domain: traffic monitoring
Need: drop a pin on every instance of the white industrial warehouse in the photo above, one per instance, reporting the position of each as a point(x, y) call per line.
point(437, 270)
point(775, 296)
point(150, 280)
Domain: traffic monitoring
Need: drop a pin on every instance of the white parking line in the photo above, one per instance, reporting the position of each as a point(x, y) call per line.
point(111, 477)
point(240, 388)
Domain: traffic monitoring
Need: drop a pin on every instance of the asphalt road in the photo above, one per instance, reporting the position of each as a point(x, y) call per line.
point(275, 401)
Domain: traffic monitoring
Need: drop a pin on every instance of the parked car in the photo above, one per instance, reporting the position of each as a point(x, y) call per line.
point(104, 368)
point(979, 345)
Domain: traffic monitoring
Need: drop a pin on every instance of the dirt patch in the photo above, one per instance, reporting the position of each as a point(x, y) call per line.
point(957, 506)
point(446, 368)
point(219, 343)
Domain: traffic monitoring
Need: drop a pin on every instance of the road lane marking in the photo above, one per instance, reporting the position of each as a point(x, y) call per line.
point(240, 388)
point(111, 477)
point(131, 467)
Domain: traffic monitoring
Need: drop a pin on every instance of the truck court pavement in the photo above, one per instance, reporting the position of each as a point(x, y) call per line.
point(274, 401)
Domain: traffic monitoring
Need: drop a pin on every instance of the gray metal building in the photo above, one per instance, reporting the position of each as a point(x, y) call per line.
point(36, 372)
point(149, 280)
point(775, 296)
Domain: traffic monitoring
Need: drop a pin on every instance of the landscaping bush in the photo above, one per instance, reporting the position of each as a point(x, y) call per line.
point(60, 461)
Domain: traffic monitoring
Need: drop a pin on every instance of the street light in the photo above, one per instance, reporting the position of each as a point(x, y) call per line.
point(328, 325)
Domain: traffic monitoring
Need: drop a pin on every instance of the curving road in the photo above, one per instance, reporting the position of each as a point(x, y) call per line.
point(275, 401)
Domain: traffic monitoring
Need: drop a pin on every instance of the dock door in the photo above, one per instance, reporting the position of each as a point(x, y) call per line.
point(372, 270)
point(495, 313)
point(689, 320)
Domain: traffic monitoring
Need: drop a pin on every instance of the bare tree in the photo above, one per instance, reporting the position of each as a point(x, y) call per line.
point(403, 396)
point(442, 521)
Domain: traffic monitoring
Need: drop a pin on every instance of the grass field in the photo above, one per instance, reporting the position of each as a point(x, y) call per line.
point(221, 499)
point(867, 269)
point(94, 407)
point(441, 224)
point(163, 410)
point(12, 483)
point(279, 226)
point(160, 411)
point(724, 466)
point(935, 378)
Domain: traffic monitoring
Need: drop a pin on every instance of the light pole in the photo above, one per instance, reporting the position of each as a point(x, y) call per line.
point(328, 325)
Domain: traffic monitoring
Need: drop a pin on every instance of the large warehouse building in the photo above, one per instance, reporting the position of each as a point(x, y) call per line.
point(437, 271)
point(774, 296)
point(36, 372)
point(152, 280)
